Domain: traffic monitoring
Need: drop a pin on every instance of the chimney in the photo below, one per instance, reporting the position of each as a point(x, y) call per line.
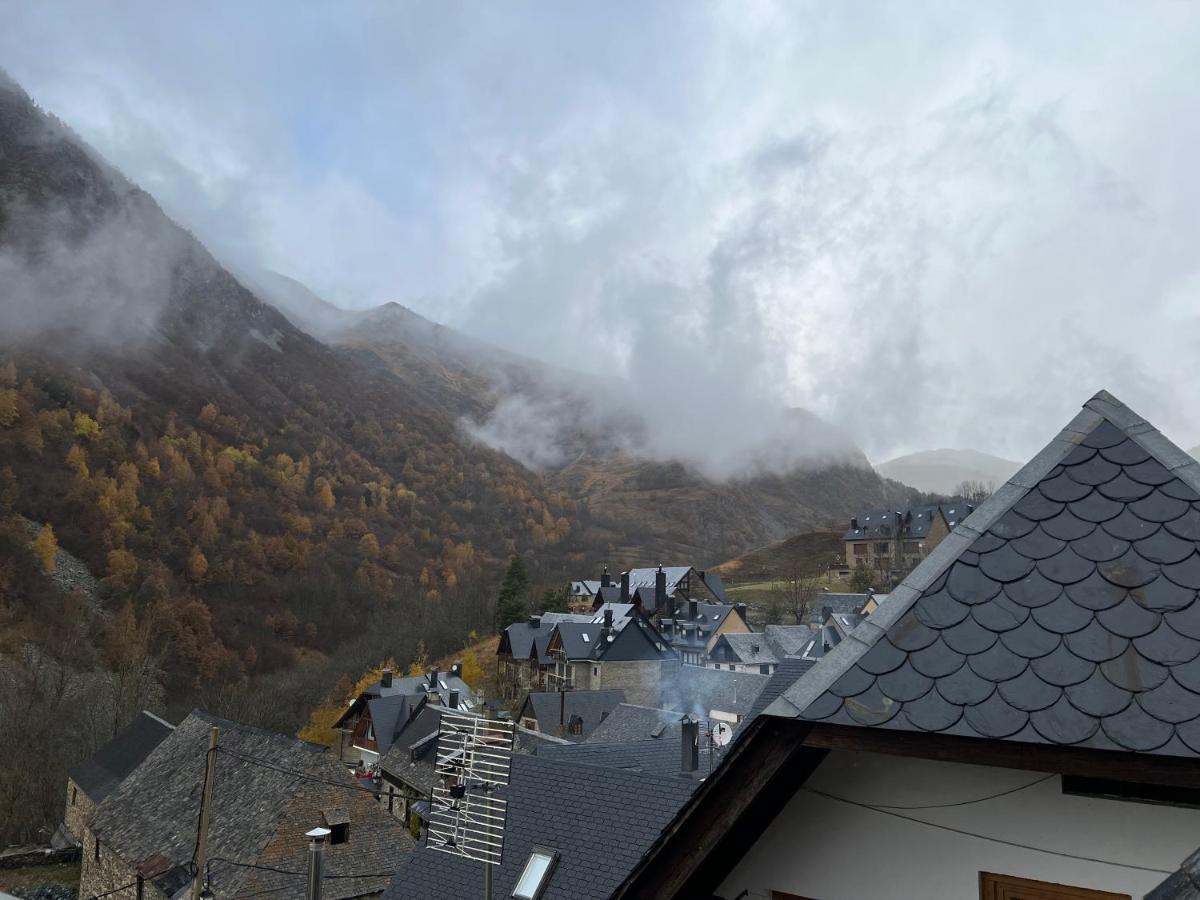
point(625, 586)
point(660, 589)
point(535, 621)
point(608, 618)
point(452, 702)
point(456, 670)
point(385, 679)
point(826, 613)
point(741, 611)
point(689, 757)
point(433, 679)
point(605, 578)
point(562, 711)
point(854, 523)
point(693, 609)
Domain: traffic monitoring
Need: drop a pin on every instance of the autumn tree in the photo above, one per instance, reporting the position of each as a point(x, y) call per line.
point(512, 603)
point(197, 566)
point(420, 660)
point(45, 546)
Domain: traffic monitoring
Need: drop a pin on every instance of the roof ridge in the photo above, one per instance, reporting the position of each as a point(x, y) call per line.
point(1101, 407)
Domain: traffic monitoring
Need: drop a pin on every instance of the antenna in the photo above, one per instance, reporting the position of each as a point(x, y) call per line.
point(466, 817)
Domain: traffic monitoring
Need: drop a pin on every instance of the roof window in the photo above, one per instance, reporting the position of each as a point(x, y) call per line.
point(536, 874)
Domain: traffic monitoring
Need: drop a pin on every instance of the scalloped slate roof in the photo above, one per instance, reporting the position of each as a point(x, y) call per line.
point(1064, 611)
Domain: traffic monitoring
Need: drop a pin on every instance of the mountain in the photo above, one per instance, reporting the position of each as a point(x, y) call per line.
point(942, 471)
point(802, 555)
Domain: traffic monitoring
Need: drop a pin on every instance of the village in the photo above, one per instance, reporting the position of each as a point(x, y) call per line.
point(1018, 712)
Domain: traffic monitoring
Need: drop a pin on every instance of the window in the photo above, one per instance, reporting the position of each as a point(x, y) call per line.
point(96, 851)
point(860, 549)
point(74, 791)
point(884, 547)
point(765, 669)
point(1008, 887)
point(912, 547)
point(536, 874)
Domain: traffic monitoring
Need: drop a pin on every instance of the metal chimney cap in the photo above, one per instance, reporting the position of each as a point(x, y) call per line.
point(318, 834)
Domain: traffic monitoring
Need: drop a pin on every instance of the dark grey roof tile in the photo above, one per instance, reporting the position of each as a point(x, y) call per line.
point(883, 657)
point(1150, 471)
point(1167, 646)
point(1189, 733)
point(1080, 454)
point(1062, 615)
point(1029, 639)
point(1186, 621)
point(1188, 674)
point(988, 542)
point(1063, 489)
point(1038, 544)
point(1096, 643)
point(1012, 525)
point(964, 687)
point(1163, 595)
point(1130, 570)
point(1092, 472)
point(1163, 547)
point(871, 707)
point(1029, 692)
point(1186, 573)
point(1180, 491)
point(995, 717)
point(1158, 507)
point(1037, 506)
point(1126, 453)
point(968, 637)
point(824, 706)
point(968, 584)
point(1062, 667)
point(1033, 590)
point(940, 610)
point(1003, 565)
point(1096, 593)
point(1170, 702)
point(931, 712)
point(1001, 614)
point(997, 663)
point(911, 634)
point(1135, 729)
point(1098, 697)
point(1095, 507)
point(1062, 723)
point(1065, 567)
point(904, 684)
point(937, 660)
point(1134, 672)
point(853, 682)
point(1100, 546)
point(1128, 527)
point(1067, 527)
point(1186, 526)
point(1124, 489)
point(1103, 436)
point(1128, 619)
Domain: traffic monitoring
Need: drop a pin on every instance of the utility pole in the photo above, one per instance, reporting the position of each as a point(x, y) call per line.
point(316, 861)
point(210, 770)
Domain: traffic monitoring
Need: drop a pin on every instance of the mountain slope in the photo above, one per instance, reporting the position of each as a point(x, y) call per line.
point(942, 471)
point(256, 487)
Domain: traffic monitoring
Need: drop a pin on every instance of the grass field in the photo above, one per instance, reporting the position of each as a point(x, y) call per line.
point(66, 874)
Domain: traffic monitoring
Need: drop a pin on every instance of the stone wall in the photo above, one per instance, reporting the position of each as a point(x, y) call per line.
point(106, 871)
point(641, 681)
point(78, 810)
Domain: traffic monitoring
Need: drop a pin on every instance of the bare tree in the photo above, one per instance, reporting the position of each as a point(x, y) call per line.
point(975, 492)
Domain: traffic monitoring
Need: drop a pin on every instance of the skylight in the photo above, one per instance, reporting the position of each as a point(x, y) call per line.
point(536, 874)
point(585, 636)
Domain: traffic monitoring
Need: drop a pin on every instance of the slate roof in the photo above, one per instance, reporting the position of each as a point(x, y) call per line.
point(629, 722)
point(520, 637)
point(750, 649)
point(880, 524)
point(788, 640)
point(791, 670)
point(659, 757)
point(600, 821)
point(99, 774)
point(633, 638)
point(389, 716)
point(838, 603)
point(591, 706)
point(259, 814)
point(701, 691)
point(1183, 884)
point(1063, 611)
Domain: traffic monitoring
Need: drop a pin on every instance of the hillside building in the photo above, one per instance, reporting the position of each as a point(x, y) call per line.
point(889, 542)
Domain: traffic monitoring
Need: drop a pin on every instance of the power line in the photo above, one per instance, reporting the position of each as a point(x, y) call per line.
point(118, 890)
point(995, 796)
point(257, 761)
point(984, 837)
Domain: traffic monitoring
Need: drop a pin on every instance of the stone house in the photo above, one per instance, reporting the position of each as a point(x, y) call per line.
point(894, 541)
point(101, 773)
point(630, 655)
point(692, 627)
point(268, 790)
point(571, 715)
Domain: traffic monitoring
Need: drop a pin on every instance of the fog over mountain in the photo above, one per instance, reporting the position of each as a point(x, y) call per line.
point(730, 209)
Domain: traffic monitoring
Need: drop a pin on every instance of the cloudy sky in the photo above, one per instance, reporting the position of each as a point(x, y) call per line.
point(935, 224)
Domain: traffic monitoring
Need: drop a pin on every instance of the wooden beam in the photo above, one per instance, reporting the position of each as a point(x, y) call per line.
point(1144, 768)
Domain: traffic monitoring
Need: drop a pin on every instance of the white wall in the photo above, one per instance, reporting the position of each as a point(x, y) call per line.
point(827, 850)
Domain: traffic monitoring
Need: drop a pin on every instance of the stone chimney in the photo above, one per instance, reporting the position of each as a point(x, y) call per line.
point(689, 756)
point(535, 621)
point(452, 701)
point(660, 589)
point(741, 611)
point(693, 609)
point(433, 679)
point(625, 586)
point(605, 578)
point(456, 670)
point(385, 679)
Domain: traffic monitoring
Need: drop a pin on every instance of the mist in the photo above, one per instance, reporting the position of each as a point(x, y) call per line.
point(725, 211)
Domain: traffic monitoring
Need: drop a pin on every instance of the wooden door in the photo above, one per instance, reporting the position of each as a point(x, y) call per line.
point(1009, 887)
